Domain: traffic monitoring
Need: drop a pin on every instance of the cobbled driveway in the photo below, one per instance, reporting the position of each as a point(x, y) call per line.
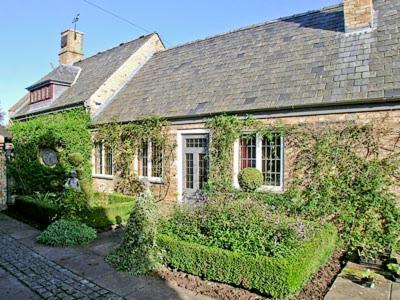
point(45, 277)
point(32, 271)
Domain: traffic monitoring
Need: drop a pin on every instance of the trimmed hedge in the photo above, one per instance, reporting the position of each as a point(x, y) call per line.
point(100, 216)
point(276, 276)
point(41, 212)
point(104, 216)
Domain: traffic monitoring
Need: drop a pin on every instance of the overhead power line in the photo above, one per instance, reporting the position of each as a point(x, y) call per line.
point(117, 16)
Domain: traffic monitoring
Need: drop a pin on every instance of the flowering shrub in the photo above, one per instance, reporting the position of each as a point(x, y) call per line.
point(243, 226)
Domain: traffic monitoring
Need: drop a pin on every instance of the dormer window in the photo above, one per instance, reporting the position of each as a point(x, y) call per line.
point(41, 94)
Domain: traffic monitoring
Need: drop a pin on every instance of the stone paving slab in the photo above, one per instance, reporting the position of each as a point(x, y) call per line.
point(395, 295)
point(347, 287)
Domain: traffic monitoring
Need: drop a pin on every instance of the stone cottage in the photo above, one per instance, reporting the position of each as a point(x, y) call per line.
point(330, 65)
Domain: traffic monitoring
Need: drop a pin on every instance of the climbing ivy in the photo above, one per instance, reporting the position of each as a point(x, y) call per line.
point(225, 130)
point(345, 173)
point(126, 140)
point(342, 173)
point(65, 132)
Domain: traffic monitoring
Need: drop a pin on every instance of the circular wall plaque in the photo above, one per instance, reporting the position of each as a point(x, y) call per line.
point(49, 157)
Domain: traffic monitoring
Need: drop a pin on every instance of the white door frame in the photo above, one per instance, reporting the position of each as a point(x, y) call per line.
point(179, 159)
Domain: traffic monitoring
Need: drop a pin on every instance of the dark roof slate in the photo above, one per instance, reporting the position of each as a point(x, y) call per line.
point(303, 60)
point(95, 70)
point(65, 74)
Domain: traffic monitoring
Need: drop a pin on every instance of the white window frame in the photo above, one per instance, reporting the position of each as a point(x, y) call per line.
point(236, 164)
point(179, 156)
point(103, 167)
point(151, 178)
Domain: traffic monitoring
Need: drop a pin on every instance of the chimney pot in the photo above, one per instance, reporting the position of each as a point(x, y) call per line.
point(358, 14)
point(71, 47)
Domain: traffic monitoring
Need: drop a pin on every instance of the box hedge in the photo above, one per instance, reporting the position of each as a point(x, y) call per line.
point(278, 277)
point(98, 216)
point(41, 212)
point(107, 215)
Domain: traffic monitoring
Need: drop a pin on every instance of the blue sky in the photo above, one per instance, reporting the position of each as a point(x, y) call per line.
point(30, 28)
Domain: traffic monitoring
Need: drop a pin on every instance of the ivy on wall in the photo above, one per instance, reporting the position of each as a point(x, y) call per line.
point(343, 173)
point(225, 130)
point(65, 132)
point(125, 141)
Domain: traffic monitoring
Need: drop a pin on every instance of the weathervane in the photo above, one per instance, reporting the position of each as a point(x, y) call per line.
point(74, 21)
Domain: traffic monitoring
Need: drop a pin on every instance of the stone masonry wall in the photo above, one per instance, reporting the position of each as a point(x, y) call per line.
point(120, 76)
point(358, 14)
point(169, 193)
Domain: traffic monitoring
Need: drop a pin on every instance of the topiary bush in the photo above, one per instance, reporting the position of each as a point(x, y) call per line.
point(138, 253)
point(76, 159)
point(250, 179)
point(66, 233)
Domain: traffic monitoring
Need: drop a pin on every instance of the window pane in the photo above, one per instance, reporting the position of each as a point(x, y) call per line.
point(143, 159)
point(248, 151)
point(108, 163)
point(156, 161)
point(203, 170)
point(271, 160)
point(98, 157)
point(196, 143)
point(189, 171)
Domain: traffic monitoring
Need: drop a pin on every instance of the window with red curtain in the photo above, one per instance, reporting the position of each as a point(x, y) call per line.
point(41, 94)
point(248, 151)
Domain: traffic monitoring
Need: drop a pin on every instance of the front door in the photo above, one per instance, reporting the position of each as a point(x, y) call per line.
point(195, 166)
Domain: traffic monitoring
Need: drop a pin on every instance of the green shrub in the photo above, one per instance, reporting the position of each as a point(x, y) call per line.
point(103, 216)
point(138, 253)
point(277, 276)
point(73, 205)
point(66, 233)
point(100, 198)
point(41, 209)
point(115, 198)
point(250, 179)
point(45, 208)
point(346, 177)
point(244, 226)
point(67, 133)
point(76, 159)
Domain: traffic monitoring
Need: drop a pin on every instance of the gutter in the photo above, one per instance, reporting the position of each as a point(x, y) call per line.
point(377, 104)
point(49, 111)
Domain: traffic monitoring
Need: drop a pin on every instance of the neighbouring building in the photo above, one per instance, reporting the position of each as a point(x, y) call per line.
point(330, 65)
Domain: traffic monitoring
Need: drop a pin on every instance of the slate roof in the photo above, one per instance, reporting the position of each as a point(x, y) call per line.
point(64, 74)
point(95, 70)
point(305, 60)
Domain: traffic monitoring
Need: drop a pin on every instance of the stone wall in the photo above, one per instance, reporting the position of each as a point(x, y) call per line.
point(358, 14)
point(3, 182)
point(168, 192)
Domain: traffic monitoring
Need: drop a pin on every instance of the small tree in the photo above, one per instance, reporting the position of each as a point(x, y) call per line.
point(138, 253)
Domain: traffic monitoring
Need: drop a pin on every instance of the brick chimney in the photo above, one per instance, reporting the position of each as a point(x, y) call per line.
point(358, 14)
point(71, 47)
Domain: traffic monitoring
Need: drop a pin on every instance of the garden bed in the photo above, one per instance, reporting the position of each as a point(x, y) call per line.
point(275, 276)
